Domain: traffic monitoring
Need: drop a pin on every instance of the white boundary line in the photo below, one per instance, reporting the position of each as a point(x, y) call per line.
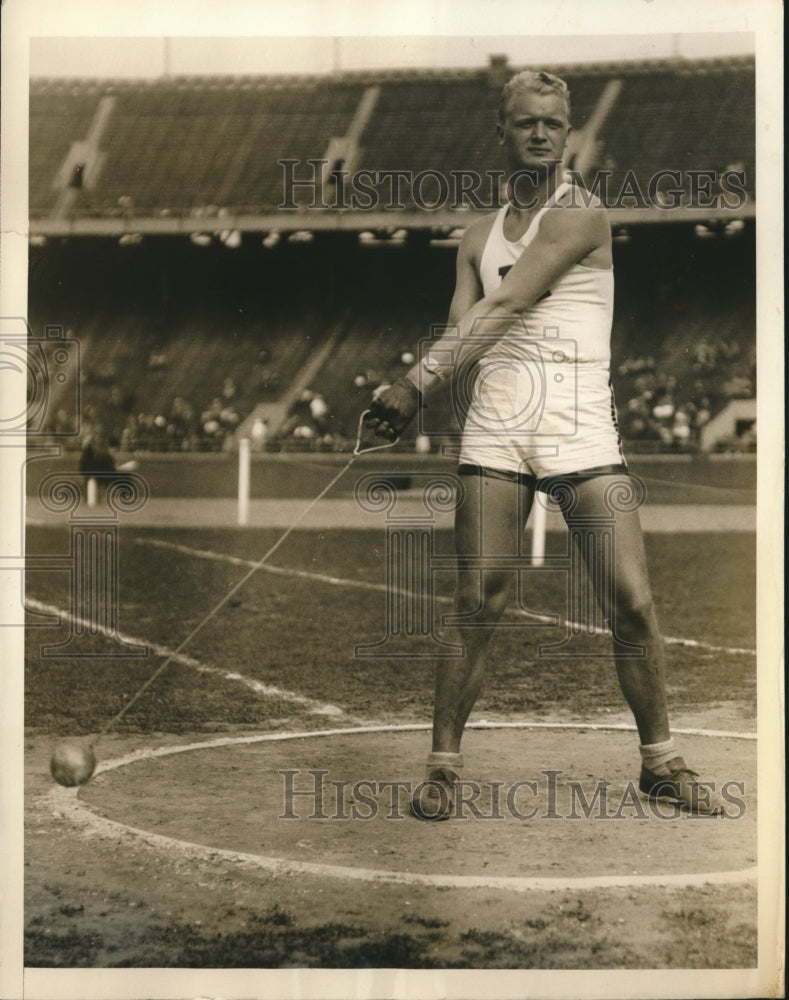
point(66, 799)
point(381, 587)
point(268, 690)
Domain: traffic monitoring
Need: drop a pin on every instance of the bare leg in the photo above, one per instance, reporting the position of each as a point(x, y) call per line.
point(491, 522)
point(488, 523)
point(626, 601)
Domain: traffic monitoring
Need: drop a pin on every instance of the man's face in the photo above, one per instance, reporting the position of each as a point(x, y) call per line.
point(535, 130)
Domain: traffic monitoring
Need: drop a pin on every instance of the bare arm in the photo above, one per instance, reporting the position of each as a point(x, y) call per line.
point(468, 287)
point(566, 236)
point(396, 405)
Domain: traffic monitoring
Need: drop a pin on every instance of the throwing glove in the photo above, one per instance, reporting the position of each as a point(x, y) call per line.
point(393, 408)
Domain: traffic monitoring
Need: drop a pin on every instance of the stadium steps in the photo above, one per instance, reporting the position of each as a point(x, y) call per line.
point(274, 414)
point(724, 424)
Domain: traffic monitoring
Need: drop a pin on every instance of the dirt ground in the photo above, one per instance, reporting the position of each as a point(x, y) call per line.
point(215, 880)
point(98, 897)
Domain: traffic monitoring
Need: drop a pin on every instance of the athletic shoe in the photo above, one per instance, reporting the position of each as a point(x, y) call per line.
point(681, 785)
point(434, 798)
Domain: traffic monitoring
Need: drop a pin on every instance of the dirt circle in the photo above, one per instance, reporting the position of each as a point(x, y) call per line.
point(543, 807)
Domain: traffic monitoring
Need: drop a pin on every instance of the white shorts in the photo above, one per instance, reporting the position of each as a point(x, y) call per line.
point(553, 420)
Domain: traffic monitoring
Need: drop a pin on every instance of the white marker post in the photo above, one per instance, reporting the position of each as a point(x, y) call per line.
point(540, 517)
point(243, 481)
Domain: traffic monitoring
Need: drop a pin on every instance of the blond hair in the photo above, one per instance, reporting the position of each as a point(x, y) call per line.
point(537, 81)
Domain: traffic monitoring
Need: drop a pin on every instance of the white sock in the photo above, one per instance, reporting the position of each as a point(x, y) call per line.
point(656, 755)
point(453, 761)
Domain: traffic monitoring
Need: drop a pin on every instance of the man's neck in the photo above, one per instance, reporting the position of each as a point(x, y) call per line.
point(529, 196)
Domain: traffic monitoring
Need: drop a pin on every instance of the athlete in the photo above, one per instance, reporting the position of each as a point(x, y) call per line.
point(529, 335)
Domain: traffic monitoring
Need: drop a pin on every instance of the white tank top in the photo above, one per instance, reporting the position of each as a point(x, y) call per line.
point(578, 307)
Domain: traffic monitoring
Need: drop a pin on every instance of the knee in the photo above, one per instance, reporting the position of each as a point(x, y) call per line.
point(635, 613)
point(487, 599)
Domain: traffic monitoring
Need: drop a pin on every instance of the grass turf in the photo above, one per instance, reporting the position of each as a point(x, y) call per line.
point(298, 634)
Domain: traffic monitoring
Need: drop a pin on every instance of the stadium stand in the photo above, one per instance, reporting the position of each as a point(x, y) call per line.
point(442, 125)
point(197, 145)
point(219, 145)
point(59, 116)
point(682, 118)
point(165, 324)
point(176, 146)
point(166, 320)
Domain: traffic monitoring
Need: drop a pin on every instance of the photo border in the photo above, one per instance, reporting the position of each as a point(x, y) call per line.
point(23, 19)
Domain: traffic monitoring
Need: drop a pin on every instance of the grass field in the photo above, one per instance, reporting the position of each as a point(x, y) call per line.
point(293, 628)
point(280, 657)
point(295, 631)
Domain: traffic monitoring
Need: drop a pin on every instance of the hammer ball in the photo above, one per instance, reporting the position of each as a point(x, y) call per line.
point(72, 764)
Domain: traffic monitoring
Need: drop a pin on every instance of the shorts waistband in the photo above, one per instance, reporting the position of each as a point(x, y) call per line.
point(547, 483)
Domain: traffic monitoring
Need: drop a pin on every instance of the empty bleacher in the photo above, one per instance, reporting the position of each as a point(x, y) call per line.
point(60, 114)
point(683, 119)
point(186, 146)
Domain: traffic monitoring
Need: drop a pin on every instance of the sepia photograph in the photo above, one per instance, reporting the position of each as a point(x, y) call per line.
point(387, 541)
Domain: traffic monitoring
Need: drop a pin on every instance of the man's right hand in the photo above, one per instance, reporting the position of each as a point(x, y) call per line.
point(393, 408)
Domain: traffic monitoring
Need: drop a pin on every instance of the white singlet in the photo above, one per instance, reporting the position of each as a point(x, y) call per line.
point(541, 401)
